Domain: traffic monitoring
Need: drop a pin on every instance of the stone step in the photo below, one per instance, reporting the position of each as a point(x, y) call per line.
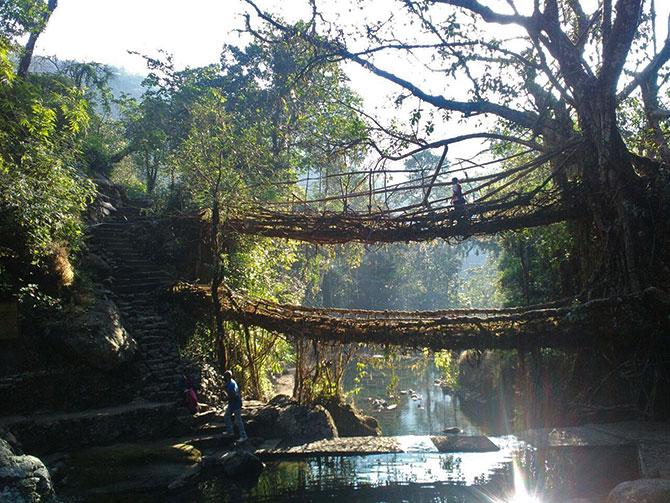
point(157, 353)
point(139, 297)
point(156, 339)
point(133, 302)
point(139, 280)
point(139, 287)
point(161, 362)
point(155, 362)
point(147, 315)
point(107, 238)
point(165, 371)
point(145, 272)
point(210, 442)
point(153, 325)
point(154, 352)
point(131, 314)
point(162, 338)
point(117, 244)
point(163, 348)
point(128, 312)
point(168, 375)
point(212, 428)
point(167, 396)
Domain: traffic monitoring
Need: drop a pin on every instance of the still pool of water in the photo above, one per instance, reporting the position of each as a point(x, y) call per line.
point(550, 476)
point(515, 473)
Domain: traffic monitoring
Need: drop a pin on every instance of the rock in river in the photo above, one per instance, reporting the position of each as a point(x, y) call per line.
point(350, 422)
point(241, 463)
point(641, 491)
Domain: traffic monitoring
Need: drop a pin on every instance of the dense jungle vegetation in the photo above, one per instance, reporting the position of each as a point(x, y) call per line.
point(213, 141)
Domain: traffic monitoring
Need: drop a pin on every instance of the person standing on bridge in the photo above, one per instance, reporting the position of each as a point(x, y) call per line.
point(458, 200)
point(234, 398)
point(457, 197)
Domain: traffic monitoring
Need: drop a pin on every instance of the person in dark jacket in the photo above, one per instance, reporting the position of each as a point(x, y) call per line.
point(457, 198)
point(234, 406)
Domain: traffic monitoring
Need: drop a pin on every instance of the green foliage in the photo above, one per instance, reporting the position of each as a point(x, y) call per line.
point(18, 17)
point(536, 265)
point(448, 365)
point(479, 281)
point(42, 191)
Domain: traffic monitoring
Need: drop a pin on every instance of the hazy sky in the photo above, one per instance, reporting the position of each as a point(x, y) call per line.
point(195, 31)
point(97, 30)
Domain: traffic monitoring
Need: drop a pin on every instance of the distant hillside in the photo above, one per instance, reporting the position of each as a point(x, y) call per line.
point(126, 83)
point(121, 83)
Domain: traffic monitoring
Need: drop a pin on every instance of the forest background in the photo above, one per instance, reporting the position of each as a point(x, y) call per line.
point(217, 134)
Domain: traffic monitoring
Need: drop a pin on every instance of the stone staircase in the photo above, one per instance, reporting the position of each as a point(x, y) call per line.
point(135, 282)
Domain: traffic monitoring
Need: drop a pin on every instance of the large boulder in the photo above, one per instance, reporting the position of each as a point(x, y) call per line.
point(302, 423)
point(350, 422)
point(241, 464)
point(285, 418)
point(23, 478)
point(641, 491)
point(96, 334)
point(261, 421)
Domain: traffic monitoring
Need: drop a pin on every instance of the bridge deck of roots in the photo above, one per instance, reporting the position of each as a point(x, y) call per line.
point(515, 198)
point(550, 325)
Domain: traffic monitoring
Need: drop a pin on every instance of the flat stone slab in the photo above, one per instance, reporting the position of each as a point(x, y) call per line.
point(458, 443)
point(360, 446)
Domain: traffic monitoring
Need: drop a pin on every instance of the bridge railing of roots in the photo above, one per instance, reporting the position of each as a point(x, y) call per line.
point(404, 211)
point(558, 324)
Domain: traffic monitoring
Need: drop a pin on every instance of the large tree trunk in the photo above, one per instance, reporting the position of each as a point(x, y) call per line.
point(617, 201)
point(27, 57)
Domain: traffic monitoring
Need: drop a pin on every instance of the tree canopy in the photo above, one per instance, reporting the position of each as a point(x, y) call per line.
point(556, 73)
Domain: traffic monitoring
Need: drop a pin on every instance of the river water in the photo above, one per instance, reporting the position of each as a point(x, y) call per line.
point(417, 405)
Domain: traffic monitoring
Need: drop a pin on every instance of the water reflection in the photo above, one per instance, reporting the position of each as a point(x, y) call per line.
point(518, 473)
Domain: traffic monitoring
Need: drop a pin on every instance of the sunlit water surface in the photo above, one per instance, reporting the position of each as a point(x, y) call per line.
point(516, 473)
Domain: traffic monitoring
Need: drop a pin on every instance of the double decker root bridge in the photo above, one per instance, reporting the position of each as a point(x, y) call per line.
point(519, 197)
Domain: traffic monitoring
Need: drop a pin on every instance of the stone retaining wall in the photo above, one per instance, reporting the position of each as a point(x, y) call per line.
point(136, 421)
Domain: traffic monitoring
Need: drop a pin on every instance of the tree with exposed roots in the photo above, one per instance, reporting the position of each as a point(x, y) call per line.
point(547, 74)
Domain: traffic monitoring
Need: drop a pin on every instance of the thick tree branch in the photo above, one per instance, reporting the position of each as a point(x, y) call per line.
point(489, 15)
point(523, 118)
point(617, 47)
point(652, 68)
point(559, 45)
point(457, 139)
